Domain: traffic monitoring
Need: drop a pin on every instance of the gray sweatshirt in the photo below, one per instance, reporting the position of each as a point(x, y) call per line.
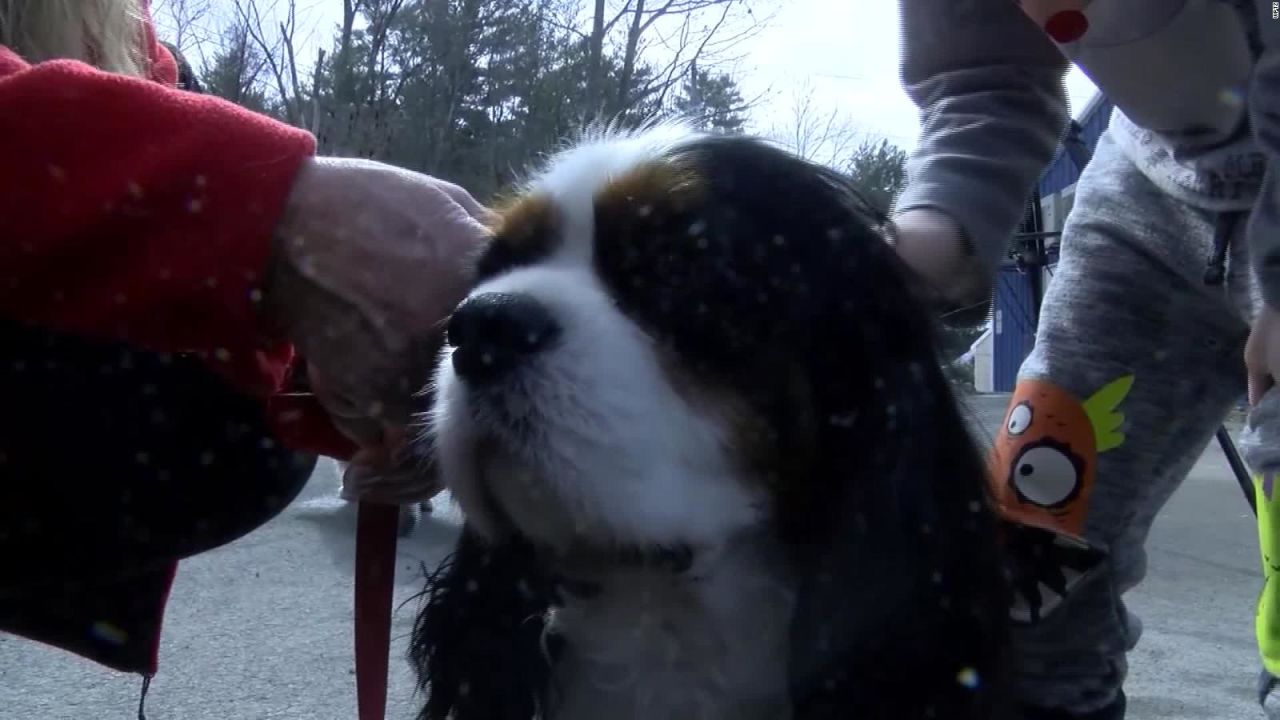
point(1189, 78)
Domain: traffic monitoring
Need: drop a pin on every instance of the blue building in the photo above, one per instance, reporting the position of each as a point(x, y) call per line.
point(1020, 286)
point(1057, 187)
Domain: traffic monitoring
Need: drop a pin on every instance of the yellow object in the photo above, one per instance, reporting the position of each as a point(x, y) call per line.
point(1103, 410)
point(1267, 621)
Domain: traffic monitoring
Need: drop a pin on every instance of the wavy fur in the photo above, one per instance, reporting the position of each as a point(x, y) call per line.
point(862, 475)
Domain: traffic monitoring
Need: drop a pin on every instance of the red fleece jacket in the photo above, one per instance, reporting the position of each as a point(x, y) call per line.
point(134, 211)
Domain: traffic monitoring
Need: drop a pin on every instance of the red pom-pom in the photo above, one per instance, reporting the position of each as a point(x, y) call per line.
point(1067, 26)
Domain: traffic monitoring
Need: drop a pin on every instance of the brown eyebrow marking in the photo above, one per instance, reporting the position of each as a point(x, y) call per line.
point(524, 221)
point(649, 192)
point(525, 230)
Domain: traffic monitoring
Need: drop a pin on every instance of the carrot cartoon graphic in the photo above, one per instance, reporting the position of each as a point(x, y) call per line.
point(1043, 467)
point(1044, 462)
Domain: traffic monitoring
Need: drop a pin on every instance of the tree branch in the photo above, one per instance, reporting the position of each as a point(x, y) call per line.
point(252, 19)
point(286, 36)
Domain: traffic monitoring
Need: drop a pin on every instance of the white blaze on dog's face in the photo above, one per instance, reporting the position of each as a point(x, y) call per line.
point(557, 409)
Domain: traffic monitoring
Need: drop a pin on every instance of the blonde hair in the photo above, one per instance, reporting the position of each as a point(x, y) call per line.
point(105, 33)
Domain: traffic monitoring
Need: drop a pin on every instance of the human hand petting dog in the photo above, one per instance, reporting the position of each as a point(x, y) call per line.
point(369, 260)
point(932, 245)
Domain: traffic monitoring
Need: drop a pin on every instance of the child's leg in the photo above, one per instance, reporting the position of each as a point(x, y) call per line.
point(1260, 445)
point(1136, 362)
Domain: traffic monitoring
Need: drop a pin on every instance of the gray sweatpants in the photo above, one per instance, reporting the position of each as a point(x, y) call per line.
point(1128, 328)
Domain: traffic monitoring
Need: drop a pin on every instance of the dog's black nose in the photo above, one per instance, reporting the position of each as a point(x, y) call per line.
point(492, 333)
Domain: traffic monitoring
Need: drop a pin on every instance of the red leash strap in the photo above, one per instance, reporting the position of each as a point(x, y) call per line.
point(376, 529)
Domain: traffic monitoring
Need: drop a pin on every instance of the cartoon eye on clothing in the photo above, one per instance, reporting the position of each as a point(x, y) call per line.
point(1045, 459)
point(1020, 418)
point(1048, 474)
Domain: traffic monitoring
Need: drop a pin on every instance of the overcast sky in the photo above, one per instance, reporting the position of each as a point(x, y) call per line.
point(848, 50)
point(845, 50)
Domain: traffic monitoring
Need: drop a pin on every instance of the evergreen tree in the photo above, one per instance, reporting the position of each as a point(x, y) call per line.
point(879, 168)
point(235, 71)
point(711, 101)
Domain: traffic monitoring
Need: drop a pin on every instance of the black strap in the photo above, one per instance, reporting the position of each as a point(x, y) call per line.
point(142, 698)
point(1214, 274)
point(1238, 467)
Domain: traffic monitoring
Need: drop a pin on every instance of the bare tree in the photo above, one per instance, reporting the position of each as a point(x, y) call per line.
point(595, 62)
point(357, 115)
point(235, 68)
point(671, 35)
point(344, 84)
point(343, 117)
point(187, 24)
point(706, 33)
point(475, 89)
point(823, 135)
point(277, 47)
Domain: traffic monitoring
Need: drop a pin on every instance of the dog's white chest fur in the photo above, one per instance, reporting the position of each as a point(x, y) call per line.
point(708, 645)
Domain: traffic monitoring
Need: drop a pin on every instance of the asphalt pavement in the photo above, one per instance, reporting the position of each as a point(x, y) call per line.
point(261, 629)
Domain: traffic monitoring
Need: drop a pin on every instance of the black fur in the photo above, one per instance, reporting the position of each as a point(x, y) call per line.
point(883, 506)
point(477, 644)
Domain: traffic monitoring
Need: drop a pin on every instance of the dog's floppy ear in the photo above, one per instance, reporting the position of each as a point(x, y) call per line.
point(902, 602)
point(801, 307)
point(477, 644)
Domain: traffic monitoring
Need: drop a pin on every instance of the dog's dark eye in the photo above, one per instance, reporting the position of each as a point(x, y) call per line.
point(502, 257)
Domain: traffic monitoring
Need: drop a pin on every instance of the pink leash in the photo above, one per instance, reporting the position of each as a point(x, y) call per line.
point(376, 529)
